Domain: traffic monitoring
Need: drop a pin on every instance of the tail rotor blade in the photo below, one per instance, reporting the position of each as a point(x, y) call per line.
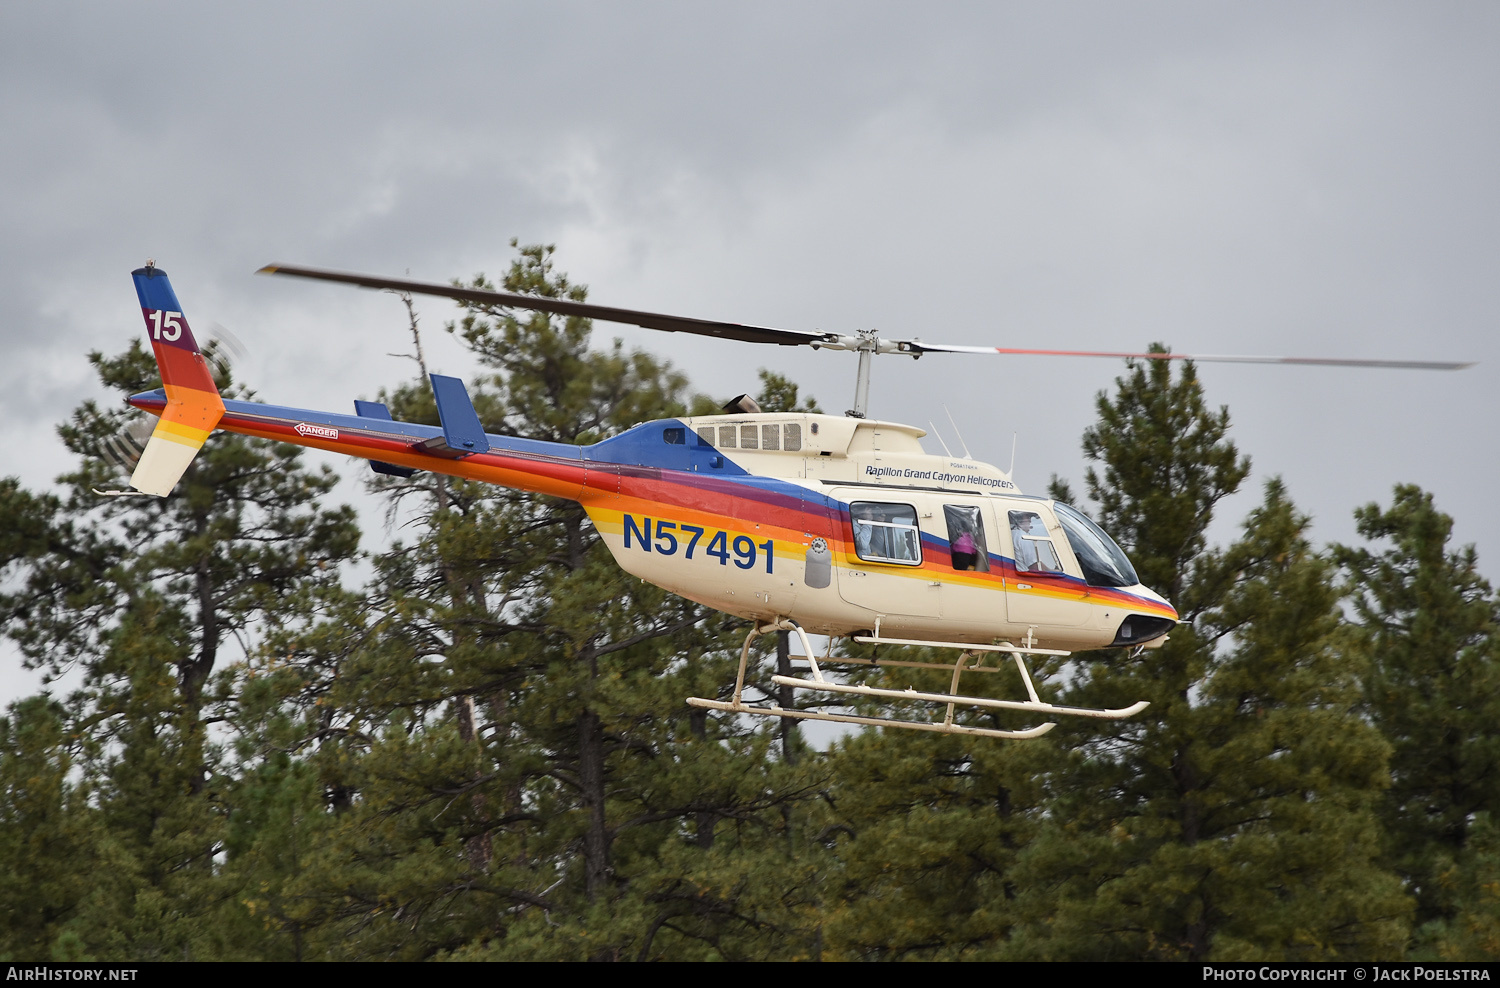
point(124, 449)
point(222, 351)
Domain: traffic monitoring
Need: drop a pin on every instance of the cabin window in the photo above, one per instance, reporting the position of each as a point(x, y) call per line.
point(1034, 550)
point(787, 436)
point(886, 533)
point(966, 538)
point(675, 437)
point(1102, 561)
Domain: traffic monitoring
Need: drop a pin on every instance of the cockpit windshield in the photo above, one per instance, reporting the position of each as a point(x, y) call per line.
point(1104, 564)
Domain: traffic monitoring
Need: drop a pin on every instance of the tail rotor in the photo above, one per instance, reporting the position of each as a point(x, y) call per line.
point(124, 449)
point(222, 351)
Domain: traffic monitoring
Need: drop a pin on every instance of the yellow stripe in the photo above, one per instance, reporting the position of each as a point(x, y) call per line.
point(180, 441)
point(182, 435)
point(180, 432)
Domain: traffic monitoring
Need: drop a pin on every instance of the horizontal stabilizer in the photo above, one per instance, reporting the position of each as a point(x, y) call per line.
point(377, 410)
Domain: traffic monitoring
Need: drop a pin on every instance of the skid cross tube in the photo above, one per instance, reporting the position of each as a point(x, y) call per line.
point(969, 660)
point(738, 706)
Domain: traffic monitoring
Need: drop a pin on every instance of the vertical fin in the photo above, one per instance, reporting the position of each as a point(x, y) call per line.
point(462, 432)
point(193, 403)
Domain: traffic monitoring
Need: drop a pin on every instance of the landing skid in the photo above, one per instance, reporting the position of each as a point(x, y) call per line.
point(968, 661)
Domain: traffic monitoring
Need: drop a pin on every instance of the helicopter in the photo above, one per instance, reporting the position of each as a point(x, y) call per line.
point(812, 524)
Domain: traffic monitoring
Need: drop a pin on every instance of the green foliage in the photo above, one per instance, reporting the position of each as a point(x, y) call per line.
point(141, 596)
point(1432, 633)
point(1470, 879)
point(778, 394)
point(47, 830)
point(1234, 818)
point(929, 832)
point(549, 385)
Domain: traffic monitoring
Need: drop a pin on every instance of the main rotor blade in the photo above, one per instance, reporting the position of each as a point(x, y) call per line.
point(788, 337)
point(566, 307)
point(915, 346)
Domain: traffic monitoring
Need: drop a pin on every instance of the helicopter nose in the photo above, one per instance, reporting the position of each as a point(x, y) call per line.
point(1139, 628)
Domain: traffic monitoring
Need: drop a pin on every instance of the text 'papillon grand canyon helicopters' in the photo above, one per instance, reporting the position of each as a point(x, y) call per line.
point(836, 525)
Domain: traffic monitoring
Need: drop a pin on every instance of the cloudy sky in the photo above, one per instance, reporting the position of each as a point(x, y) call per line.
point(1309, 179)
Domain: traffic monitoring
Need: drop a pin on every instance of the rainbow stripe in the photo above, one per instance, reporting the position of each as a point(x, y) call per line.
point(192, 404)
point(657, 477)
point(636, 474)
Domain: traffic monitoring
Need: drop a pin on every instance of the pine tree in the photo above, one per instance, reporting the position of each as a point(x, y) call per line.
point(241, 530)
point(944, 825)
point(1471, 881)
point(508, 715)
point(48, 833)
point(1233, 818)
point(928, 831)
point(1432, 627)
point(147, 598)
point(154, 779)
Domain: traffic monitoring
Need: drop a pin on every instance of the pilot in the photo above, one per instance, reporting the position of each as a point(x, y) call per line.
point(1021, 525)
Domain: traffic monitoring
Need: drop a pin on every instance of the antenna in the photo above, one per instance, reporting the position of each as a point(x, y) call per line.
point(938, 436)
point(1012, 471)
point(960, 435)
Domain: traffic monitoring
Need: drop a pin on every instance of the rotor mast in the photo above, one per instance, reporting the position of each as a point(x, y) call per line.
point(866, 343)
point(861, 385)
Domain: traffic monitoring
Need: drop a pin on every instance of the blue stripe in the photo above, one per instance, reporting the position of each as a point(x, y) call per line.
point(154, 290)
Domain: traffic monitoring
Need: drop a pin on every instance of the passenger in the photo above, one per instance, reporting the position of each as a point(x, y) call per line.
point(964, 555)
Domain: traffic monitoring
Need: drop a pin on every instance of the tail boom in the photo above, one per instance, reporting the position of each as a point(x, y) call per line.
point(557, 469)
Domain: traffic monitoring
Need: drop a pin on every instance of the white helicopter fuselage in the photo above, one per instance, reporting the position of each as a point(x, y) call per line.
point(847, 525)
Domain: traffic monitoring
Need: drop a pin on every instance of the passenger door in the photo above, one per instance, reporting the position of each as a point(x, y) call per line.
point(883, 565)
point(971, 565)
